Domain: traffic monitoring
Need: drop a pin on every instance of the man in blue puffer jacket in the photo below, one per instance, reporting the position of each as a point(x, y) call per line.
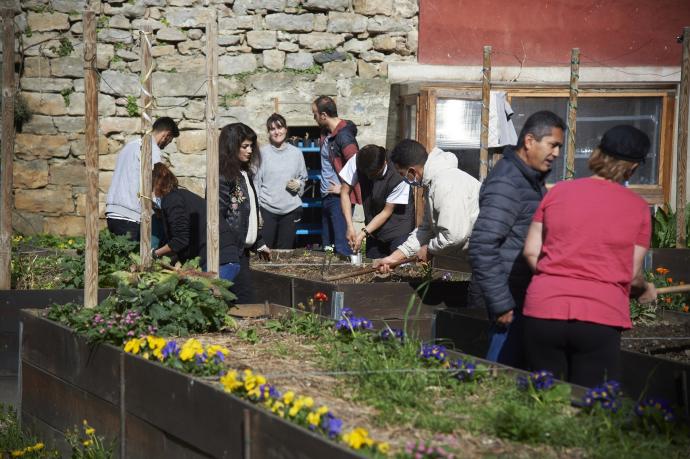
point(507, 201)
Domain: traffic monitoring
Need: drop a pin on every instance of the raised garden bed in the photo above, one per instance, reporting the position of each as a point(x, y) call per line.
point(643, 373)
point(294, 276)
point(154, 411)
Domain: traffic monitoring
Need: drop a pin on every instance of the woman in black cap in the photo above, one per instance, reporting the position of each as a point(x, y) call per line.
point(586, 245)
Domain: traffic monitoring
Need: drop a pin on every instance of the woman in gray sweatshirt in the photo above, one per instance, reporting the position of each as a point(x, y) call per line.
point(280, 184)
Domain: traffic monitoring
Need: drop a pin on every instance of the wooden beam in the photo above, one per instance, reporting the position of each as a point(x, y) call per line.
point(486, 99)
point(91, 143)
point(8, 95)
point(145, 192)
point(682, 161)
point(212, 203)
point(572, 112)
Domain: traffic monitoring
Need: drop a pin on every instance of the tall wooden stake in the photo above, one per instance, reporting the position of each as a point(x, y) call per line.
point(212, 213)
point(486, 98)
point(146, 124)
point(91, 142)
point(572, 112)
point(682, 162)
point(8, 94)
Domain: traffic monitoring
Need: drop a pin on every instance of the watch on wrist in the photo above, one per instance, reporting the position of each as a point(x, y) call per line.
point(153, 254)
point(364, 230)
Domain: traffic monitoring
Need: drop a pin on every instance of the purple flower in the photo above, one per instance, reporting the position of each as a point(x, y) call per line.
point(463, 370)
point(351, 323)
point(267, 391)
point(130, 333)
point(607, 396)
point(655, 407)
point(170, 349)
point(219, 357)
point(540, 380)
point(331, 425)
point(346, 312)
point(388, 334)
point(433, 352)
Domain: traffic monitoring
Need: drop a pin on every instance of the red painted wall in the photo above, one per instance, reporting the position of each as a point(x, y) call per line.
point(609, 32)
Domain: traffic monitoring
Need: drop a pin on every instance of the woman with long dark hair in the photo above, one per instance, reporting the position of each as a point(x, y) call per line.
point(239, 159)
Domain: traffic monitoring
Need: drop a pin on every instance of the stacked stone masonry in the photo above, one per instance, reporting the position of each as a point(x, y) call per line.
point(272, 53)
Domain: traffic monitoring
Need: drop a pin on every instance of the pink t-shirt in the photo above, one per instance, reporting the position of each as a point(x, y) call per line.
point(585, 267)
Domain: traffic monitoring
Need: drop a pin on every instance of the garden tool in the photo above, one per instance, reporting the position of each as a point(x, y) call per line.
point(363, 271)
point(673, 289)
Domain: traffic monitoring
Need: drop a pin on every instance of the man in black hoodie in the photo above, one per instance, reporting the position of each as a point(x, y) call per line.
point(507, 201)
point(338, 145)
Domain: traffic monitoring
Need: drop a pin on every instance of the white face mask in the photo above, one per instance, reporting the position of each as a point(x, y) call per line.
point(413, 182)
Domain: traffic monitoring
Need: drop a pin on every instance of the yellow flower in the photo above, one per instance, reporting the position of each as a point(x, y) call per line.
point(314, 418)
point(253, 381)
point(384, 448)
point(307, 401)
point(37, 447)
point(288, 397)
point(87, 443)
point(322, 410)
point(90, 431)
point(191, 348)
point(156, 344)
point(214, 349)
point(230, 381)
point(279, 408)
point(133, 346)
point(357, 438)
point(17, 453)
point(70, 242)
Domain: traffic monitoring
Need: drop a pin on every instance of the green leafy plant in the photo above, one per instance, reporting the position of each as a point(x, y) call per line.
point(166, 301)
point(665, 228)
point(28, 32)
point(22, 112)
point(86, 444)
point(65, 93)
point(65, 48)
point(14, 442)
point(102, 22)
point(116, 58)
point(249, 335)
point(315, 69)
point(132, 106)
point(163, 20)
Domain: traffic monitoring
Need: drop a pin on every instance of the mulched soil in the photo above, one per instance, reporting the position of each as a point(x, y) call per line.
point(668, 338)
point(315, 265)
point(290, 363)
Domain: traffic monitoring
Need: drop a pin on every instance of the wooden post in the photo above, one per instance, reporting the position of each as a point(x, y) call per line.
point(682, 161)
point(8, 94)
point(91, 143)
point(212, 213)
point(572, 112)
point(486, 99)
point(146, 124)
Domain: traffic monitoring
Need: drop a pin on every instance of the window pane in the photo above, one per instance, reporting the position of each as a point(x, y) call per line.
point(458, 123)
point(596, 115)
point(468, 160)
point(410, 122)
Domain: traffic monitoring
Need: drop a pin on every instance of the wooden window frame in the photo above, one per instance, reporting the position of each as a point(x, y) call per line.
point(658, 194)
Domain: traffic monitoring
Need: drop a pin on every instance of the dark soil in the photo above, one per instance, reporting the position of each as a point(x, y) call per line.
point(667, 338)
point(315, 265)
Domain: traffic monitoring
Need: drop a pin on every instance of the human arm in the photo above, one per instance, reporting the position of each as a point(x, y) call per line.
point(345, 207)
point(643, 291)
point(303, 175)
point(499, 207)
point(533, 245)
point(176, 219)
point(375, 223)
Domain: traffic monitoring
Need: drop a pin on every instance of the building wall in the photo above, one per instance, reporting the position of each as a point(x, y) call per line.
point(273, 53)
point(541, 33)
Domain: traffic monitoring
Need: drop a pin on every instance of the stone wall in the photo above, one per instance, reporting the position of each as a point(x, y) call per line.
point(273, 53)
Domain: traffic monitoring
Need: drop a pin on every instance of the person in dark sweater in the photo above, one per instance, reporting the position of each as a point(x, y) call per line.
point(508, 199)
point(386, 198)
point(184, 217)
point(239, 158)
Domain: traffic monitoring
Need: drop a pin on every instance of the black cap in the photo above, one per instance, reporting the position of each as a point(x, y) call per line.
point(625, 142)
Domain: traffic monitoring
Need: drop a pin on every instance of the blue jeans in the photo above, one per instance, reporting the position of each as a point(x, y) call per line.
point(505, 343)
point(228, 271)
point(333, 226)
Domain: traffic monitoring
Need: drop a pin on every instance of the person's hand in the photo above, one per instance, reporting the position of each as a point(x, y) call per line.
point(351, 237)
point(264, 253)
point(382, 264)
point(334, 188)
point(293, 186)
point(505, 319)
point(423, 254)
point(649, 295)
point(358, 241)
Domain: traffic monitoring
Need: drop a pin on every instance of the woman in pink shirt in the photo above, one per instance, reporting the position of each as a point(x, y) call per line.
point(586, 245)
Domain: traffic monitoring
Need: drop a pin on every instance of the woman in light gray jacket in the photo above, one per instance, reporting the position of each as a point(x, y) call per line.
point(280, 184)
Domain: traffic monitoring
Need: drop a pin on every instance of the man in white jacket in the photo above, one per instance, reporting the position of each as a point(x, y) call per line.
point(451, 199)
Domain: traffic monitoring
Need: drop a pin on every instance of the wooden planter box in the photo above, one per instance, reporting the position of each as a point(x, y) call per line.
point(376, 301)
point(642, 373)
point(148, 410)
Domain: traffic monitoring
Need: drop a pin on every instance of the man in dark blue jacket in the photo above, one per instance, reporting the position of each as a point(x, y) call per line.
point(507, 202)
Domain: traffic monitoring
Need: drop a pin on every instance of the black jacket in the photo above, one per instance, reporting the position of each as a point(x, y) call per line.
point(507, 201)
point(184, 222)
point(342, 145)
point(234, 210)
